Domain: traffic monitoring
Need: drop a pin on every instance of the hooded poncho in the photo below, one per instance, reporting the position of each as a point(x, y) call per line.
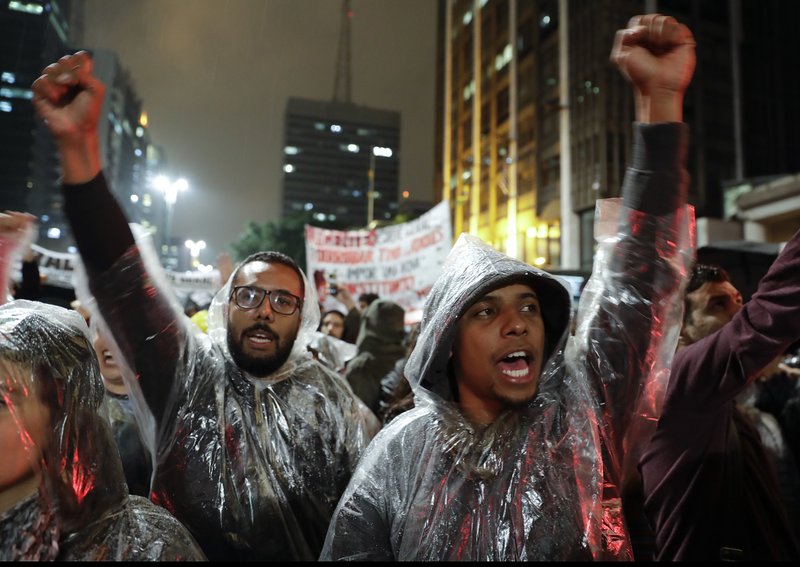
point(82, 510)
point(252, 466)
point(532, 485)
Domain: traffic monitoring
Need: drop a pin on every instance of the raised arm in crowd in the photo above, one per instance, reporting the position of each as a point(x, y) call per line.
point(252, 440)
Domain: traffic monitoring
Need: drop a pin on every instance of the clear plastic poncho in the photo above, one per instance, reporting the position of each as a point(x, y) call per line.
point(254, 467)
point(52, 422)
point(531, 485)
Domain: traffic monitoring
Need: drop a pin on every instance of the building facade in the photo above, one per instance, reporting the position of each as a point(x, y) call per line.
point(535, 120)
point(32, 35)
point(340, 162)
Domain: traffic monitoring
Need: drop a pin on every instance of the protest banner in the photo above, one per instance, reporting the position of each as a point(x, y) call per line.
point(398, 262)
point(57, 269)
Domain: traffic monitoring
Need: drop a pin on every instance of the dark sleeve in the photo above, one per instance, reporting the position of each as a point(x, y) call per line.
point(639, 280)
point(352, 324)
point(656, 183)
point(98, 223)
point(31, 284)
point(681, 459)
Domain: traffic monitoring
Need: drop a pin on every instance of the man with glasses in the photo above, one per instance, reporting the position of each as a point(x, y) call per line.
point(253, 441)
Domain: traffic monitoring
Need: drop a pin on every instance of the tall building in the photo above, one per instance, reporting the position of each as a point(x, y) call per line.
point(32, 35)
point(535, 120)
point(340, 162)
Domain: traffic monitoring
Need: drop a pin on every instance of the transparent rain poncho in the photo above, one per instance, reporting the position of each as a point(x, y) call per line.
point(52, 420)
point(530, 486)
point(253, 466)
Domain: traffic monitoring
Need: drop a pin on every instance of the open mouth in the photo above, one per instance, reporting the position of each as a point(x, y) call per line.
point(515, 364)
point(260, 338)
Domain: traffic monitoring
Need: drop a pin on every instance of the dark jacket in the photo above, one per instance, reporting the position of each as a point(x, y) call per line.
point(701, 495)
point(82, 511)
point(433, 486)
point(380, 345)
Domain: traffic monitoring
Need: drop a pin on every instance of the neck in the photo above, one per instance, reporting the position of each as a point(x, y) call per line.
point(12, 495)
point(479, 415)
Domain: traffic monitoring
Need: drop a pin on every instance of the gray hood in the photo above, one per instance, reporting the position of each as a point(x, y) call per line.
point(471, 270)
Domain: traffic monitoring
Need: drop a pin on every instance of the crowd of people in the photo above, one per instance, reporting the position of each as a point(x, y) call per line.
point(657, 421)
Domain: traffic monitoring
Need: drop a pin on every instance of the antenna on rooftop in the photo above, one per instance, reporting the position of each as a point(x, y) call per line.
point(342, 82)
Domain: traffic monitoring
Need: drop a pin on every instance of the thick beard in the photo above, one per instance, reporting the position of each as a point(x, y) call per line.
point(258, 366)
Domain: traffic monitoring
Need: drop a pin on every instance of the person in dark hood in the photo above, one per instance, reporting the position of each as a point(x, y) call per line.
point(62, 491)
point(519, 426)
point(380, 345)
point(253, 440)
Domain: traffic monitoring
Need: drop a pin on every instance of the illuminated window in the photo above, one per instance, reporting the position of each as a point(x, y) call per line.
point(5, 106)
point(308, 206)
point(382, 152)
point(288, 168)
point(12, 92)
point(336, 128)
point(291, 150)
point(134, 198)
point(27, 7)
point(9, 78)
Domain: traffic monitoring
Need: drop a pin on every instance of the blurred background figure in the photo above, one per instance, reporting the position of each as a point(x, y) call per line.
point(396, 394)
point(380, 346)
point(63, 494)
point(17, 232)
point(136, 459)
point(332, 323)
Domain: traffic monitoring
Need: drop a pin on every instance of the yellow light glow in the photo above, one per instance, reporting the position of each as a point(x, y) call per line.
point(143, 119)
point(540, 261)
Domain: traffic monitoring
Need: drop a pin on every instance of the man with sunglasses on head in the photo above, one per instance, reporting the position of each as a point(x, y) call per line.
point(253, 441)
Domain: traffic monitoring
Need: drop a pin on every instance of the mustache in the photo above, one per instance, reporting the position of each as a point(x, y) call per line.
point(266, 329)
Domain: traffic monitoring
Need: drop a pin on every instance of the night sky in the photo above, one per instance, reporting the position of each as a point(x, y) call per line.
point(215, 75)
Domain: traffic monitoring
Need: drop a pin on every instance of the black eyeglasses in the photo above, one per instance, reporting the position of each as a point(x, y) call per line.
point(248, 297)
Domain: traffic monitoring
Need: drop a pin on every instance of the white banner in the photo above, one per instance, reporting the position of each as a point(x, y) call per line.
point(398, 262)
point(57, 268)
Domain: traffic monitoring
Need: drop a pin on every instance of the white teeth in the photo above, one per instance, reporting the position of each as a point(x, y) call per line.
point(516, 373)
point(518, 354)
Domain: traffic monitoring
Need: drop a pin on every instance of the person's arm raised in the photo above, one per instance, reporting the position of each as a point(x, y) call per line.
point(69, 98)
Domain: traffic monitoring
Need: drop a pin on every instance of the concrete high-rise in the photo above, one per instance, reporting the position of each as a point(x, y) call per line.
point(534, 120)
point(340, 162)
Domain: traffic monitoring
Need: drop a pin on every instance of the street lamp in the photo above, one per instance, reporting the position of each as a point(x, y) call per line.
point(170, 189)
point(376, 151)
point(194, 250)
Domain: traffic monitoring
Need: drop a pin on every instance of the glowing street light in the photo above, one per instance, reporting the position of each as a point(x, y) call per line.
point(381, 152)
point(194, 250)
point(170, 190)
